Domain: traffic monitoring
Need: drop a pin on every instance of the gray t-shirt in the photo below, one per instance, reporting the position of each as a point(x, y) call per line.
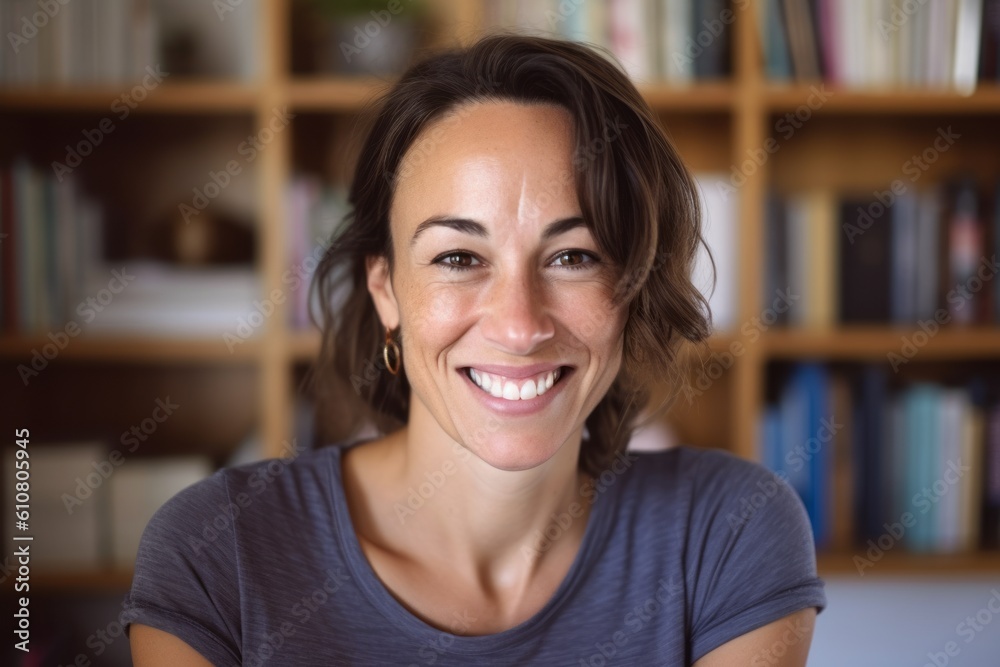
point(685, 549)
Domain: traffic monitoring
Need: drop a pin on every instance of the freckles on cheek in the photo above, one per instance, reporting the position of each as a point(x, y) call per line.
point(435, 311)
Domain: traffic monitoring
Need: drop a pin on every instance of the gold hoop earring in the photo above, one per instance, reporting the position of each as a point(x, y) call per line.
point(395, 353)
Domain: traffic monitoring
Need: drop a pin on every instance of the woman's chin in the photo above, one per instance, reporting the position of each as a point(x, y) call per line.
point(514, 453)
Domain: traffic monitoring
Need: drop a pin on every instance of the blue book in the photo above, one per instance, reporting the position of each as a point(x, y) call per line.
point(770, 440)
point(777, 61)
point(806, 458)
point(922, 429)
point(818, 450)
point(793, 426)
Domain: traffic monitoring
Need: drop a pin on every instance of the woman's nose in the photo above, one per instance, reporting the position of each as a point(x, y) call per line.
point(516, 317)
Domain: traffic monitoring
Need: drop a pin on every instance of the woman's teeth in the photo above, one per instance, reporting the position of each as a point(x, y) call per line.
point(514, 390)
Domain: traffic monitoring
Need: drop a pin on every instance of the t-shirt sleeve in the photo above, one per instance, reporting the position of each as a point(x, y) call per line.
point(751, 549)
point(185, 579)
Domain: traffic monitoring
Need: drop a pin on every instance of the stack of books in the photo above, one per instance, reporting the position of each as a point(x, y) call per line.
point(90, 505)
point(897, 256)
point(675, 41)
point(924, 457)
point(882, 43)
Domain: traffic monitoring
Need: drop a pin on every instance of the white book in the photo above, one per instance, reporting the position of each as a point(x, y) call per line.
point(797, 249)
point(941, 36)
point(68, 492)
point(855, 39)
point(969, 23)
point(533, 16)
point(719, 229)
point(676, 27)
point(631, 23)
point(880, 46)
point(138, 488)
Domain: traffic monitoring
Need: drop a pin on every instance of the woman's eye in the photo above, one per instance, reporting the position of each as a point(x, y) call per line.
point(456, 260)
point(573, 259)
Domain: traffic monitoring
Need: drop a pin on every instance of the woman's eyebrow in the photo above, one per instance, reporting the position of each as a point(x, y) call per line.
point(475, 228)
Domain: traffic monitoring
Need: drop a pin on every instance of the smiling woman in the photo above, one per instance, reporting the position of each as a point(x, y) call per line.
point(503, 264)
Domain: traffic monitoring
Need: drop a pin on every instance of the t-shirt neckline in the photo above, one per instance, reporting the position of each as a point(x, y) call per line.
point(401, 618)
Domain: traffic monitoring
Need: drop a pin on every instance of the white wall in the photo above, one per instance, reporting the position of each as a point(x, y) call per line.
point(895, 621)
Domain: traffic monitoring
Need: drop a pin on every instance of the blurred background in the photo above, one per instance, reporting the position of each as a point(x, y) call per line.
point(170, 171)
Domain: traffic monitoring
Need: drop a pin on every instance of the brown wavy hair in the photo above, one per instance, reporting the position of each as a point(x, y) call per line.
point(636, 195)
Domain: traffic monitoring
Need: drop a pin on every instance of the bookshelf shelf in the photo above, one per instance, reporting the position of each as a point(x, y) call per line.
point(910, 564)
point(883, 102)
point(351, 94)
point(333, 93)
point(170, 97)
point(873, 343)
point(132, 349)
point(718, 97)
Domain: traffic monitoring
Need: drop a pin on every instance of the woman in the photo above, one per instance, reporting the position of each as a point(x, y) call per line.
point(517, 276)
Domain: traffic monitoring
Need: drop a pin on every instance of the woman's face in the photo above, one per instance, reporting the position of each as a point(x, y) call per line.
point(509, 335)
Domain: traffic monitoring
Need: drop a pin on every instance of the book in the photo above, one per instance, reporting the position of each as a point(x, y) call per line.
point(922, 435)
point(966, 246)
point(67, 505)
point(720, 232)
point(776, 258)
point(865, 264)
point(968, 30)
point(928, 235)
point(870, 435)
point(630, 23)
point(709, 21)
point(841, 513)
point(137, 489)
point(905, 270)
point(676, 23)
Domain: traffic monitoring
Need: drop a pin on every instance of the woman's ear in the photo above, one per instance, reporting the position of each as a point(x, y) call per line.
point(380, 287)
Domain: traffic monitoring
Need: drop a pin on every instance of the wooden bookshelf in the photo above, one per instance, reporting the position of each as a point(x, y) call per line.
point(169, 97)
point(887, 102)
point(719, 123)
point(136, 349)
point(875, 343)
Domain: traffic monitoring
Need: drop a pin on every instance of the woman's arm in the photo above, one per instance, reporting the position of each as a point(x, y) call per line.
point(783, 643)
point(155, 648)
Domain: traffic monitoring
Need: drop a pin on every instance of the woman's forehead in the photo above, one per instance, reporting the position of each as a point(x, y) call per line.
point(496, 160)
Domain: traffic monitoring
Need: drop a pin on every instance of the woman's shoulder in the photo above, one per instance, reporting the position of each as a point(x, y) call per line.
point(717, 487)
point(700, 468)
point(253, 491)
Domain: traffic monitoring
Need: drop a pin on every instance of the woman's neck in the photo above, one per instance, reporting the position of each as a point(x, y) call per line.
point(496, 528)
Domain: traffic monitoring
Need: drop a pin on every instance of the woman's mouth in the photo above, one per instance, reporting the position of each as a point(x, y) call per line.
point(515, 389)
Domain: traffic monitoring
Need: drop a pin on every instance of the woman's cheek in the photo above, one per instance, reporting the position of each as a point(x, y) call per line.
point(437, 310)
